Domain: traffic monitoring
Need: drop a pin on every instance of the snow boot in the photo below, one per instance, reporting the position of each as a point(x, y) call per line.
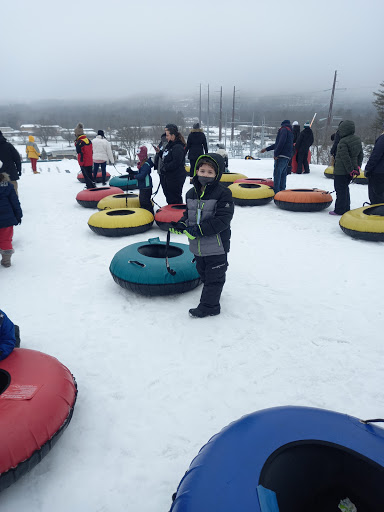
point(36, 172)
point(6, 257)
point(201, 313)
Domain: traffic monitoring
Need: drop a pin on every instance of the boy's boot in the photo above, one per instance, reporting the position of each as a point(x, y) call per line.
point(6, 257)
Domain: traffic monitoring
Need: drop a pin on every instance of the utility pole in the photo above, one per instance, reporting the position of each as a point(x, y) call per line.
point(200, 107)
point(225, 133)
point(251, 142)
point(233, 115)
point(221, 113)
point(329, 118)
point(208, 120)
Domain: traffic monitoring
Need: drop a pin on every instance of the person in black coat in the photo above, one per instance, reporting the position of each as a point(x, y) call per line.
point(173, 165)
point(11, 160)
point(335, 138)
point(196, 146)
point(10, 215)
point(374, 171)
point(303, 143)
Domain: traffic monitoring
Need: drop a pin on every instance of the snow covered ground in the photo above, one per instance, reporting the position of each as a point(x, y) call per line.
point(301, 324)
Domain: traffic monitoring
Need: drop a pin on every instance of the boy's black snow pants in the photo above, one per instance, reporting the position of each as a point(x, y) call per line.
point(212, 271)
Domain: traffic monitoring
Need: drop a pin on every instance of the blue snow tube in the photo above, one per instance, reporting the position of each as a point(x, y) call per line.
point(142, 268)
point(123, 182)
point(306, 458)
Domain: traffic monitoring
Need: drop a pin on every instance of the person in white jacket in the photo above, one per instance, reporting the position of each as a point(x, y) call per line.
point(102, 153)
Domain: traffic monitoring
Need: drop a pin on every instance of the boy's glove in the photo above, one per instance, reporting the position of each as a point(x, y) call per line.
point(192, 232)
point(354, 173)
point(177, 228)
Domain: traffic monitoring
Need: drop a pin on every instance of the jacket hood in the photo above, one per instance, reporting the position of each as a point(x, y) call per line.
point(194, 130)
point(346, 128)
point(219, 164)
point(286, 122)
point(31, 138)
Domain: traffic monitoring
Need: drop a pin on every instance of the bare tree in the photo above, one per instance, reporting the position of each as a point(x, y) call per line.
point(130, 138)
point(44, 133)
point(69, 136)
point(156, 132)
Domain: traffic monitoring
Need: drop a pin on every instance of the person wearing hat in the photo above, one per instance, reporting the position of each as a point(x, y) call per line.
point(33, 153)
point(143, 177)
point(303, 143)
point(374, 171)
point(173, 169)
point(283, 150)
point(102, 153)
point(196, 146)
point(11, 160)
point(221, 151)
point(207, 224)
point(84, 155)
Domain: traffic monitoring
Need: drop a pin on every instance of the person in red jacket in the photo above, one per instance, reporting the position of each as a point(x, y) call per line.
point(84, 155)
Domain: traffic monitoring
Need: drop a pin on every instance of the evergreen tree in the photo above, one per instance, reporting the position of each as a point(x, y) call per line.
point(379, 105)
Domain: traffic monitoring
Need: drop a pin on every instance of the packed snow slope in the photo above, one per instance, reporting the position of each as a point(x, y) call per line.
point(301, 324)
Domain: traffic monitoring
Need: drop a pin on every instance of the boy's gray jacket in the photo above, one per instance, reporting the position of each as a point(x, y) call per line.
point(212, 210)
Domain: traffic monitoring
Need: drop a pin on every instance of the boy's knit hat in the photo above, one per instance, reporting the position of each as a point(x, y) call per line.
point(307, 124)
point(79, 130)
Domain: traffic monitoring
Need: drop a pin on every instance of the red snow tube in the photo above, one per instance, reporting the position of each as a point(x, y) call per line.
point(260, 181)
point(90, 197)
point(99, 177)
point(167, 214)
point(294, 161)
point(37, 397)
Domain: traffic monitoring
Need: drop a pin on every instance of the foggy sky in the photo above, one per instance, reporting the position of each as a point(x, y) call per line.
point(114, 49)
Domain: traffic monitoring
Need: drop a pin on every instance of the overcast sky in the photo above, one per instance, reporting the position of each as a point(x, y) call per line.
point(112, 49)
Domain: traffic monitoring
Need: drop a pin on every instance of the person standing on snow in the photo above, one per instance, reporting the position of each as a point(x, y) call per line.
point(143, 177)
point(283, 150)
point(10, 215)
point(349, 158)
point(84, 155)
point(102, 153)
point(33, 153)
point(196, 146)
point(173, 169)
point(374, 171)
point(207, 224)
point(11, 162)
point(303, 143)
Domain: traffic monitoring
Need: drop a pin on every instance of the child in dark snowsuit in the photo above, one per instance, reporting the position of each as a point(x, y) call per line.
point(7, 336)
point(206, 223)
point(10, 215)
point(143, 177)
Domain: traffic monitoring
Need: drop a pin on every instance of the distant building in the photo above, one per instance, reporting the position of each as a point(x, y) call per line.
point(7, 131)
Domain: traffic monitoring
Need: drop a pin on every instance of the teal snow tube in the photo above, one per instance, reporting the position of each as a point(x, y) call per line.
point(123, 182)
point(141, 268)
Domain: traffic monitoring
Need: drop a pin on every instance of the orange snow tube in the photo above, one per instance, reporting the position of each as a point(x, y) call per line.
point(303, 200)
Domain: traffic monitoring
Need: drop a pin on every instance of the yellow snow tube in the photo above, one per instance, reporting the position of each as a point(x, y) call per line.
point(366, 223)
point(227, 178)
point(121, 222)
point(251, 194)
point(127, 200)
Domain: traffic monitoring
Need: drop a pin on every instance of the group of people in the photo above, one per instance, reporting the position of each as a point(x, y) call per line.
point(93, 154)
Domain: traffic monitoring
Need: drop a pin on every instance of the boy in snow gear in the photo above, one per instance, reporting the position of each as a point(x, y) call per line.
point(206, 223)
point(7, 336)
point(11, 160)
point(283, 150)
point(303, 143)
point(374, 171)
point(10, 215)
point(349, 158)
point(143, 177)
point(84, 155)
point(196, 146)
point(33, 153)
